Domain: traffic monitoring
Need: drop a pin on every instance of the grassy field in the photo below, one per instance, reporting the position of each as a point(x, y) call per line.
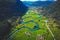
point(33, 27)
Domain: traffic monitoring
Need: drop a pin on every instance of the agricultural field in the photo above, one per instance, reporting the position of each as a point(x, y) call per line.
point(35, 26)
